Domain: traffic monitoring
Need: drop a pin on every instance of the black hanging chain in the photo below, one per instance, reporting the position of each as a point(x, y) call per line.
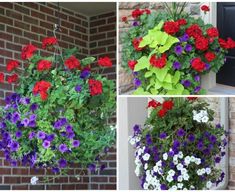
point(57, 26)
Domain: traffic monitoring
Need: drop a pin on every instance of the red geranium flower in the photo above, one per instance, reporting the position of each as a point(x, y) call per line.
point(154, 104)
point(48, 41)
point(168, 105)
point(1, 77)
point(132, 64)
point(171, 27)
point(124, 19)
point(43, 65)
point(12, 79)
point(41, 87)
point(12, 64)
point(158, 62)
point(191, 98)
point(205, 8)
point(136, 13)
point(194, 31)
point(198, 65)
point(72, 63)
point(212, 32)
point(210, 56)
point(201, 43)
point(147, 11)
point(181, 22)
point(105, 62)
point(136, 43)
point(95, 86)
point(162, 112)
point(28, 51)
point(229, 44)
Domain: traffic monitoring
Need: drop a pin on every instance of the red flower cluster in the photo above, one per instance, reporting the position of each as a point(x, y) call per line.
point(48, 41)
point(191, 98)
point(12, 79)
point(124, 19)
point(212, 32)
point(194, 31)
point(154, 104)
point(229, 44)
point(205, 8)
point(95, 86)
point(72, 63)
point(1, 77)
point(12, 64)
point(201, 43)
point(137, 12)
point(136, 43)
point(198, 65)
point(105, 62)
point(171, 27)
point(210, 56)
point(181, 22)
point(158, 62)
point(28, 51)
point(43, 65)
point(132, 64)
point(166, 106)
point(41, 87)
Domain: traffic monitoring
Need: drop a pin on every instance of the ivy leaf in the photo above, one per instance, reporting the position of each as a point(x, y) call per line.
point(87, 61)
point(142, 63)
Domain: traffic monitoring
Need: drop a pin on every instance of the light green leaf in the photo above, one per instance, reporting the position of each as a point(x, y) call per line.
point(176, 77)
point(168, 78)
point(140, 91)
point(160, 73)
point(148, 74)
point(167, 86)
point(142, 63)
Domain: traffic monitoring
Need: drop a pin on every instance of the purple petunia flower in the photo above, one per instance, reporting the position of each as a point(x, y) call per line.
point(178, 49)
point(163, 135)
point(218, 126)
point(62, 163)
point(197, 89)
point(217, 159)
point(63, 148)
point(15, 117)
point(176, 65)
point(188, 48)
point(184, 38)
point(191, 137)
point(102, 167)
point(13, 163)
point(76, 143)
point(71, 135)
point(3, 125)
point(207, 66)
point(25, 101)
point(46, 144)
point(148, 139)
point(18, 134)
point(197, 78)
point(200, 145)
point(163, 187)
point(25, 122)
point(213, 139)
point(186, 83)
point(50, 137)
point(181, 132)
point(34, 107)
point(136, 129)
point(14, 146)
point(55, 170)
point(69, 129)
point(135, 23)
point(32, 124)
point(78, 88)
point(136, 82)
point(33, 117)
point(41, 135)
point(85, 73)
point(176, 144)
point(92, 167)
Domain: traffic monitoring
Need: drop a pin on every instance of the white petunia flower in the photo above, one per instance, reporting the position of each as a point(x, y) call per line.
point(132, 141)
point(199, 172)
point(146, 186)
point(171, 172)
point(137, 171)
point(169, 178)
point(145, 166)
point(198, 161)
point(34, 180)
point(165, 156)
point(175, 161)
point(208, 170)
point(205, 119)
point(193, 159)
point(179, 166)
point(146, 157)
point(187, 160)
point(174, 187)
point(180, 185)
point(209, 184)
point(186, 177)
point(192, 187)
point(180, 154)
point(180, 178)
point(184, 171)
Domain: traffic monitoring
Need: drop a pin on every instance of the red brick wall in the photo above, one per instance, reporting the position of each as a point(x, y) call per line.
point(23, 23)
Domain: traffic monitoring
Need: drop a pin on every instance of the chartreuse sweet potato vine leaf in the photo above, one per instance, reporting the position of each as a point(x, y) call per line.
point(161, 80)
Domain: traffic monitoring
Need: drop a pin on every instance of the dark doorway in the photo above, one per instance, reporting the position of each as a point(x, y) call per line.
point(226, 26)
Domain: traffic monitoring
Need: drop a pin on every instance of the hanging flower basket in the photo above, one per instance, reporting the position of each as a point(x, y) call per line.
point(58, 115)
point(167, 52)
point(179, 147)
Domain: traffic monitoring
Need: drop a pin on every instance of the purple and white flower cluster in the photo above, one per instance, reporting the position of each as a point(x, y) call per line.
point(179, 158)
